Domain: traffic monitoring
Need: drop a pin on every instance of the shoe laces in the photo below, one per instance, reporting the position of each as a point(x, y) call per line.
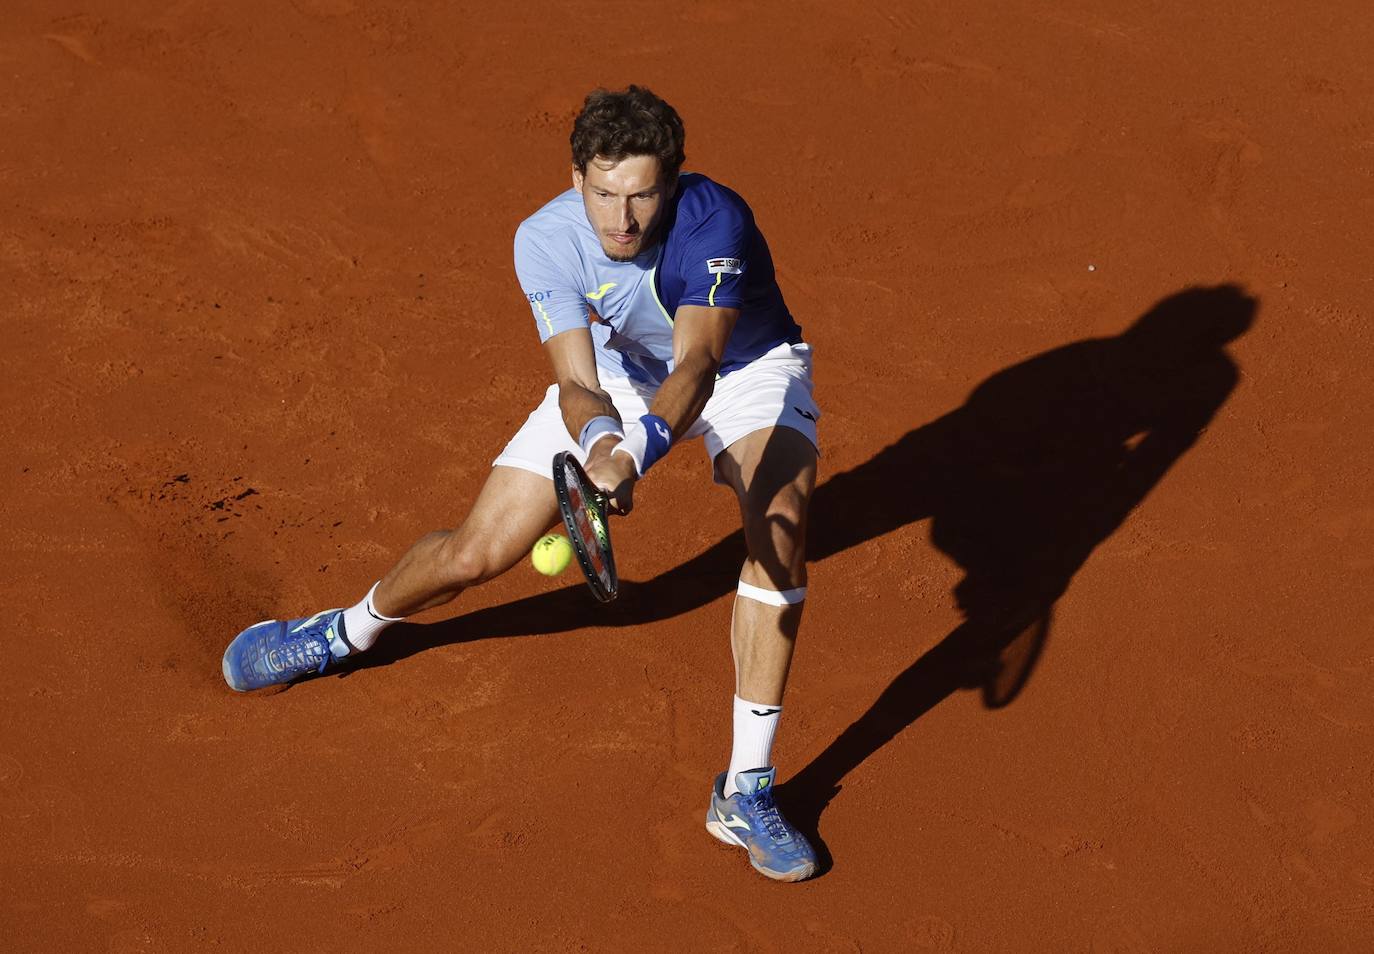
point(766, 809)
point(304, 650)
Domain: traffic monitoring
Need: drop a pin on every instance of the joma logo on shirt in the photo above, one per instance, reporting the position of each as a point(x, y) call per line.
point(724, 266)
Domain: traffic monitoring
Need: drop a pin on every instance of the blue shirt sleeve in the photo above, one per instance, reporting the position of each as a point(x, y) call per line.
point(714, 258)
point(553, 292)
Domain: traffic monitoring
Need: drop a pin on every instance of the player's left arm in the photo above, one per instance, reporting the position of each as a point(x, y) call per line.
point(699, 337)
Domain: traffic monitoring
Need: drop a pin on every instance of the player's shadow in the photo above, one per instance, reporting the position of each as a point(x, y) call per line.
point(1041, 464)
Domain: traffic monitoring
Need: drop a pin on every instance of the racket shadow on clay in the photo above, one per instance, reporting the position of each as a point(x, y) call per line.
point(1039, 466)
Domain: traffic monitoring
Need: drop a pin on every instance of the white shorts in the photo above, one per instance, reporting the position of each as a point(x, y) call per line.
point(773, 390)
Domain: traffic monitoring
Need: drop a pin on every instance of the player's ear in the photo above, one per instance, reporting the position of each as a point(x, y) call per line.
point(577, 178)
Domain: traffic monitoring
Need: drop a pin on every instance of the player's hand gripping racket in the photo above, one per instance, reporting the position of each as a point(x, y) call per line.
point(584, 510)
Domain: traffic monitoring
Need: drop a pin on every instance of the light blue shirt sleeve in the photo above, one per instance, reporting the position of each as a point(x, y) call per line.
point(549, 283)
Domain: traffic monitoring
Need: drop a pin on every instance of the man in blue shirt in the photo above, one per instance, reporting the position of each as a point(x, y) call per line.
point(654, 295)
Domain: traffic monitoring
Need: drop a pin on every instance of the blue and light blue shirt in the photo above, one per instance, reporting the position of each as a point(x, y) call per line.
point(710, 253)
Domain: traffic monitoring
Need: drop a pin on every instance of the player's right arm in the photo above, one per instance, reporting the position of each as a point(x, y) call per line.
point(545, 263)
point(583, 403)
point(580, 397)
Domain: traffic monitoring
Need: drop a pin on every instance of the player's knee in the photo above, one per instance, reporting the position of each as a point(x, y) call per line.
point(785, 507)
point(778, 522)
point(462, 562)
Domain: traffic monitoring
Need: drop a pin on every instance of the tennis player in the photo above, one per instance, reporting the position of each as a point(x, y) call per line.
point(654, 295)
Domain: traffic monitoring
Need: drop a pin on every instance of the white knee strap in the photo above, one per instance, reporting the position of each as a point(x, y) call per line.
point(772, 597)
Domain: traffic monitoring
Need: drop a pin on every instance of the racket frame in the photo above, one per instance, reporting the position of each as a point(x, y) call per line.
point(604, 586)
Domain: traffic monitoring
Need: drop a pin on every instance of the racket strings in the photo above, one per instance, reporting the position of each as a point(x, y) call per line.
point(584, 515)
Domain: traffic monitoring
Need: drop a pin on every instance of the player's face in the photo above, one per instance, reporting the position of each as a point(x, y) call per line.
point(624, 201)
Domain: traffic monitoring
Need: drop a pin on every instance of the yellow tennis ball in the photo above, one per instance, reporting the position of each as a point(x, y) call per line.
point(552, 554)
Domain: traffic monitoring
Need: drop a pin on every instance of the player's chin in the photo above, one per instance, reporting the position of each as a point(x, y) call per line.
point(621, 253)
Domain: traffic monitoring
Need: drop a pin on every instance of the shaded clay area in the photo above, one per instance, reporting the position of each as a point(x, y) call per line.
point(1087, 657)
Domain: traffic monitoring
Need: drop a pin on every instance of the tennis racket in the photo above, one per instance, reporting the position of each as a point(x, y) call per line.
point(583, 507)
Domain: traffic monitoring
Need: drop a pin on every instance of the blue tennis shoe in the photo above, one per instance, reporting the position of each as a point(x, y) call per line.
point(277, 651)
point(751, 820)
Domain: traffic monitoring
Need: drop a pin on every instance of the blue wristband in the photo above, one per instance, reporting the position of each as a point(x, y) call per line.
point(659, 439)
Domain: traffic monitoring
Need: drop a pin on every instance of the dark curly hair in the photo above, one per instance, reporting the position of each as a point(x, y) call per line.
point(630, 123)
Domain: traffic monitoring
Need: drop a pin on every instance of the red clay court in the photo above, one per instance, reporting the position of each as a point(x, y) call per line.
point(1088, 657)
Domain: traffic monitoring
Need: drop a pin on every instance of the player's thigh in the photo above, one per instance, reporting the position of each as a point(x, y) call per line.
point(760, 428)
point(773, 392)
point(514, 509)
point(517, 504)
point(773, 474)
point(518, 499)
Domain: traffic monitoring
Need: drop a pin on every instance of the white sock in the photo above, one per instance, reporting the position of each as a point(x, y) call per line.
point(755, 724)
point(363, 624)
